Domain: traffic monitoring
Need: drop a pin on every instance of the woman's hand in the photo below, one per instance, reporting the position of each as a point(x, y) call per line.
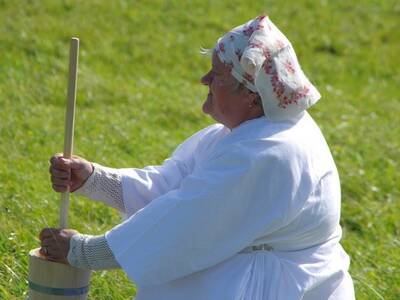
point(55, 243)
point(70, 173)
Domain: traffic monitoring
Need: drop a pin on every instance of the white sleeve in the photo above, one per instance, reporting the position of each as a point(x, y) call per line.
point(141, 186)
point(216, 212)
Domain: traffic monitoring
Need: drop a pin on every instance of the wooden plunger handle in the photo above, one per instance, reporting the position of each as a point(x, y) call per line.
point(69, 122)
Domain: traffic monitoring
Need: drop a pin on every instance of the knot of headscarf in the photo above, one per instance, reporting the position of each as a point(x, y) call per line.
point(262, 58)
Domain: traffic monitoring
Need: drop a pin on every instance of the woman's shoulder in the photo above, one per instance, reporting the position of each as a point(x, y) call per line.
point(213, 131)
point(286, 141)
point(203, 138)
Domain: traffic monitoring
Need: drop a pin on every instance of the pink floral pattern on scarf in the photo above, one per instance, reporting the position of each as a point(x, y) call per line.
point(263, 59)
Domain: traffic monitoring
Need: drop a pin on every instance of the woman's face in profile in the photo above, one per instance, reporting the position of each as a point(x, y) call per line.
point(224, 103)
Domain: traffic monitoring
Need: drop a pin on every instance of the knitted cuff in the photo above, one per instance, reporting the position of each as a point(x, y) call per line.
point(91, 252)
point(105, 185)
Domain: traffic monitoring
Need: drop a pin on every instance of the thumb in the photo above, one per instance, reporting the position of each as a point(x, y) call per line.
point(77, 163)
point(73, 163)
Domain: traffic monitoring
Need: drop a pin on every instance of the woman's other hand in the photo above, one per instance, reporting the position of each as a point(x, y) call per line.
point(54, 243)
point(70, 173)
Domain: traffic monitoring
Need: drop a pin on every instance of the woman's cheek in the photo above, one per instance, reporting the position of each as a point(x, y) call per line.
point(219, 104)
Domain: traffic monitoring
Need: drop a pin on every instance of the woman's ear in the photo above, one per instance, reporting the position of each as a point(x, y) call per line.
point(254, 99)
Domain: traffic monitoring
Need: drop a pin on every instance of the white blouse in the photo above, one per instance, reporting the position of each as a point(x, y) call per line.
point(264, 182)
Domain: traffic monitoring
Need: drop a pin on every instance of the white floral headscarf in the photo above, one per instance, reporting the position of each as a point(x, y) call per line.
point(263, 59)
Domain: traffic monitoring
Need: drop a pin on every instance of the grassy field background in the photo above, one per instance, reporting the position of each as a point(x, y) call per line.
point(139, 96)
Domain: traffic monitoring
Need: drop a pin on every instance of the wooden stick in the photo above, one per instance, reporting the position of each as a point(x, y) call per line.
point(69, 122)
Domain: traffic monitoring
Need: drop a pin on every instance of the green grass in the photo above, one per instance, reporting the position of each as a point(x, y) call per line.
point(139, 96)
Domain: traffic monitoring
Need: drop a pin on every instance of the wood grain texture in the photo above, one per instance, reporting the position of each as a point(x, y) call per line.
point(69, 122)
point(54, 275)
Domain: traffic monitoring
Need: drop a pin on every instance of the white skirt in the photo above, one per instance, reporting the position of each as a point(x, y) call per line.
point(264, 275)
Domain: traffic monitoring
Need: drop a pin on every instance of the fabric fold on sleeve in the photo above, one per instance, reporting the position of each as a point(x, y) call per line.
point(141, 186)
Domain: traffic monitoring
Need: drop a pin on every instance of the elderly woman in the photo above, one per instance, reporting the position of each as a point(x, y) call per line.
point(245, 209)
